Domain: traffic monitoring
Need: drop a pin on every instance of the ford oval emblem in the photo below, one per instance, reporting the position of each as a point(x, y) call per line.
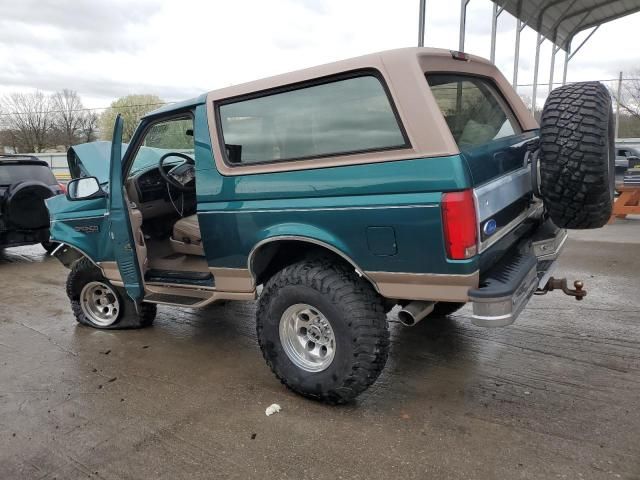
point(490, 227)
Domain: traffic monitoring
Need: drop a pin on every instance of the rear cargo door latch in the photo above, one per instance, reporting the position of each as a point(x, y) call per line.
point(561, 284)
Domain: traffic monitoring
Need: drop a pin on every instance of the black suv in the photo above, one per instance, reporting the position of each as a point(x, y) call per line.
point(25, 183)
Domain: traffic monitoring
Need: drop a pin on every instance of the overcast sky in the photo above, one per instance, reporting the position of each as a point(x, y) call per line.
point(176, 49)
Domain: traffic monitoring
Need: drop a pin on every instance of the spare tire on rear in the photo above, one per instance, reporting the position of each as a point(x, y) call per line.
point(24, 205)
point(577, 157)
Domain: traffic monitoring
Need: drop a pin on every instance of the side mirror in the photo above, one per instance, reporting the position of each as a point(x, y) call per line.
point(84, 188)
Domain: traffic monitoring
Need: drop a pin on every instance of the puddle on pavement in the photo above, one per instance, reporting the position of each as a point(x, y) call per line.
point(31, 253)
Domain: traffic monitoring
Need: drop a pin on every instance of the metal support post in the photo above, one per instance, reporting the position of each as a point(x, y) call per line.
point(554, 50)
point(421, 21)
point(539, 41)
point(463, 23)
point(618, 95)
point(516, 58)
point(494, 27)
point(570, 54)
point(584, 41)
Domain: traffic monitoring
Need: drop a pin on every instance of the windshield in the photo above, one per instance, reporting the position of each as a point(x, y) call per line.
point(174, 135)
point(149, 157)
point(11, 173)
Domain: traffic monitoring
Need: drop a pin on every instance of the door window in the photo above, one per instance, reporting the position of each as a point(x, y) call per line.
point(473, 108)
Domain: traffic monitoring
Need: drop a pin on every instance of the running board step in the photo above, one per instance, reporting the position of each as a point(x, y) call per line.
point(172, 299)
point(201, 279)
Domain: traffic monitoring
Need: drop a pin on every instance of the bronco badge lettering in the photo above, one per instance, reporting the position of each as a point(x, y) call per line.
point(87, 228)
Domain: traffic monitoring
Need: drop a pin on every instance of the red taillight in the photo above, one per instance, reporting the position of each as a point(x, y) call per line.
point(63, 187)
point(460, 226)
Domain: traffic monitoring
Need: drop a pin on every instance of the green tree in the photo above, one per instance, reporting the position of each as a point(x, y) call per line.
point(132, 108)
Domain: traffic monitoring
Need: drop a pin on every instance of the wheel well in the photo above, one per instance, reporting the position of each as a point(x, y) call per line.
point(272, 257)
point(68, 255)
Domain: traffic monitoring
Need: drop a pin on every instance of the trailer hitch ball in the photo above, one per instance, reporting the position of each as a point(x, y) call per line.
point(561, 284)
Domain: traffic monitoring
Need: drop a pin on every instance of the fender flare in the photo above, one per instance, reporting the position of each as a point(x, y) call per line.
point(68, 254)
point(313, 241)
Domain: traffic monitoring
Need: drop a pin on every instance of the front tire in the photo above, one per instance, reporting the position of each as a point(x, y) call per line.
point(97, 303)
point(322, 330)
point(49, 246)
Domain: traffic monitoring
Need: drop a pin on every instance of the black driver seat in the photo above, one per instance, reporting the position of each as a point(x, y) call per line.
point(186, 237)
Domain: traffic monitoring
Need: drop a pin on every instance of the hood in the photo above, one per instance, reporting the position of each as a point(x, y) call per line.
point(91, 160)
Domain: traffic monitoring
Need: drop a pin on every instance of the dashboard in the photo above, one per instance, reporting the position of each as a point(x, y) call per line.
point(148, 190)
point(151, 186)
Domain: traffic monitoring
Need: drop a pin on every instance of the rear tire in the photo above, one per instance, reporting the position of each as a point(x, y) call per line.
point(97, 303)
point(317, 304)
point(577, 157)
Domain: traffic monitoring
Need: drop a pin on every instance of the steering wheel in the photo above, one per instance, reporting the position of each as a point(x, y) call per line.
point(181, 176)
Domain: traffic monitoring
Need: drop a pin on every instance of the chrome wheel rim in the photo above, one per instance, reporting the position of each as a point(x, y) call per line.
point(99, 303)
point(307, 337)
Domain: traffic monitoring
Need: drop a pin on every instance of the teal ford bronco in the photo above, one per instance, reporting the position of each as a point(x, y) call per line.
point(413, 177)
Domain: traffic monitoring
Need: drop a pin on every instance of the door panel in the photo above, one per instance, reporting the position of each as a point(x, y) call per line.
point(492, 160)
point(119, 222)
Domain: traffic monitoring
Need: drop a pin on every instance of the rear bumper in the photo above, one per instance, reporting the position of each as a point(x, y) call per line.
point(506, 289)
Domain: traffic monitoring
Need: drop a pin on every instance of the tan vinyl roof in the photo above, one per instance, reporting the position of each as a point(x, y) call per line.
point(403, 71)
point(561, 20)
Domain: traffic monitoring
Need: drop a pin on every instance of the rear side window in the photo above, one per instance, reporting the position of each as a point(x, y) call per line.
point(338, 117)
point(473, 108)
point(11, 173)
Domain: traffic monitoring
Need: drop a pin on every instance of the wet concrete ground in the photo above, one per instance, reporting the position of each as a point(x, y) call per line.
point(556, 395)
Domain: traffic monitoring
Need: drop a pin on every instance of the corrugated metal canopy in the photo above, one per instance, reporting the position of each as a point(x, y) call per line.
point(560, 20)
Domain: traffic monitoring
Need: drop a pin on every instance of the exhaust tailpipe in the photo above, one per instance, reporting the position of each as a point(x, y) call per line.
point(414, 311)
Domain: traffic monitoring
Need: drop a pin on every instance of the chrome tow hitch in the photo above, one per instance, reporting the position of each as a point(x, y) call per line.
point(561, 284)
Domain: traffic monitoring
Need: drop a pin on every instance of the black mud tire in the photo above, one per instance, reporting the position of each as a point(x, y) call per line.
point(577, 156)
point(444, 309)
point(49, 246)
point(24, 205)
point(83, 272)
point(356, 314)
